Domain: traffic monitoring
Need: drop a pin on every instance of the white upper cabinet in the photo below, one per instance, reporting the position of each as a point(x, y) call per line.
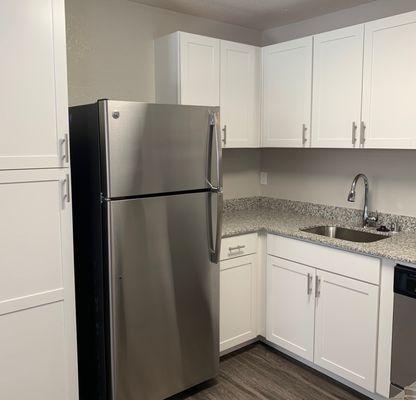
point(33, 101)
point(346, 328)
point(199, 70)
point(239, 94)
point(187, 69)
point(390, 82)
point(287, 94)
point(337, 87)
point(290, 285)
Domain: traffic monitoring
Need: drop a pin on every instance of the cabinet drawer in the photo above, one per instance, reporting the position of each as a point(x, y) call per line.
point(340, 262)
point(238, 246)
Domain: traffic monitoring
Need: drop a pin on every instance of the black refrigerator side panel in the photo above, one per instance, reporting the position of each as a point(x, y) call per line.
point(91, 283)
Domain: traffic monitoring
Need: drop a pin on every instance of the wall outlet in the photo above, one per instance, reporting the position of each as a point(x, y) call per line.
point(263, 178)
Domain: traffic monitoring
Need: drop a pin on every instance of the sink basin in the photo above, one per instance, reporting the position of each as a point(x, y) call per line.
point(345, 234)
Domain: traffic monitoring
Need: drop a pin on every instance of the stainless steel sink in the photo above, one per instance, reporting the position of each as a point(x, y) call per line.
point(345, 234)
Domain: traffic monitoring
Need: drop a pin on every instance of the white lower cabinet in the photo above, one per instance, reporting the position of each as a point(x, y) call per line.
point(324, 317)
point(238, 291)
point(290, 306)
point(346, 328)
point(37, 306)
point(33, 352)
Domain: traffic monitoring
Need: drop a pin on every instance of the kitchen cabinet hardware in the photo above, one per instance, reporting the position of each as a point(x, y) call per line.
point(317, 287)
point(309, 291)
point(354, 133)
point(362, 133)
point(65, 148)
point(238, 248)
point(304, 134)
point(224, 137)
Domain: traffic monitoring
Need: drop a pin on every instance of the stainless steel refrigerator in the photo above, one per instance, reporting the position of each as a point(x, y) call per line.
point(147, 197)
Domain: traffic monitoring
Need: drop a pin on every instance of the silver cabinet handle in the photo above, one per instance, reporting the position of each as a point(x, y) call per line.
point(309, 290)
point(304, 136)
point(362, 133)
point(354, 133)
point(66, 190)
point(317, 287)
point(224, 140)
point(238, 248)
point(65, 148)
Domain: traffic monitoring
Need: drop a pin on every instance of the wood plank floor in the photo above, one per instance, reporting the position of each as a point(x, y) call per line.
point(259, 372)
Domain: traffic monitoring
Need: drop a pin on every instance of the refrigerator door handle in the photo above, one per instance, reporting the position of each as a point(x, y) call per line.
point(214, 140)
point(215, 243)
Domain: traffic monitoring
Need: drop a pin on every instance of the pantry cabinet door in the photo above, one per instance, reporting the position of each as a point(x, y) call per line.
point(287, 94)
point(33, 353)
point(390, 83)
point(238, 280)
point(337, 87)
point(37, 304)
point(199, 70)
point(290, 306)
point(239, 94)
point(346, 328)
point(33, 82)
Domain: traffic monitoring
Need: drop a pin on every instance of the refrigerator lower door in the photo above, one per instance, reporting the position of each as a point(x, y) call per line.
point(164, 296)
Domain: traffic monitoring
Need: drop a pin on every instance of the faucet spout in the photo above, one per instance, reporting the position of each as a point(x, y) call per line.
point(351, 196)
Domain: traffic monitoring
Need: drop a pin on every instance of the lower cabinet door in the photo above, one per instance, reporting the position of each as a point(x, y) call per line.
point(290, 306)
point(346, 328)
point(238, 301)
point(38, 352)
point(33, 353)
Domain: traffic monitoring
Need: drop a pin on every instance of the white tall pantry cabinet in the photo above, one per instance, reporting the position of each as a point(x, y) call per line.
point(38, 358)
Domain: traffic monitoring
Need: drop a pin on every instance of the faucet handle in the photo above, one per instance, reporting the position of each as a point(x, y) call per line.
point(372, 219)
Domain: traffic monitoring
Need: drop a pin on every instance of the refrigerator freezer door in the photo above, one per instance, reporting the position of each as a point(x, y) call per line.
point(164, 296)
point(156, 148)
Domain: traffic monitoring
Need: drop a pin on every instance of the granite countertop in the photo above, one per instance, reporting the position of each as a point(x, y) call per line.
point(286, 218)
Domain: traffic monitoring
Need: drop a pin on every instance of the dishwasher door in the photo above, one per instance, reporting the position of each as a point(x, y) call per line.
point(403, 362)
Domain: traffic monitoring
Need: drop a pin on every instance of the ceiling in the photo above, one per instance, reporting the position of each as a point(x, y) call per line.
point(256, 14)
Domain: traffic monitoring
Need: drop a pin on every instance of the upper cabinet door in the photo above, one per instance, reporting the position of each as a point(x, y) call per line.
point(239, 94)
point(287, 93)
point(389, 115)
point(199, 70)
point(346, 328)
point(33, 101)
point(337, 87)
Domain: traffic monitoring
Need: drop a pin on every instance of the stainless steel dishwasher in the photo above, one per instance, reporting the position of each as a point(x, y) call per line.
point(403, 362)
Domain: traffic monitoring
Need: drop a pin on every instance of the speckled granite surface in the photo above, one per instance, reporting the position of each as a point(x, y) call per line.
point(287, 218)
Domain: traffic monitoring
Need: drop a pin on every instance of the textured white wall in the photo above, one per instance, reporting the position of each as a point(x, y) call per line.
point(241, 173)
point(325, 176)
point(110, 46)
